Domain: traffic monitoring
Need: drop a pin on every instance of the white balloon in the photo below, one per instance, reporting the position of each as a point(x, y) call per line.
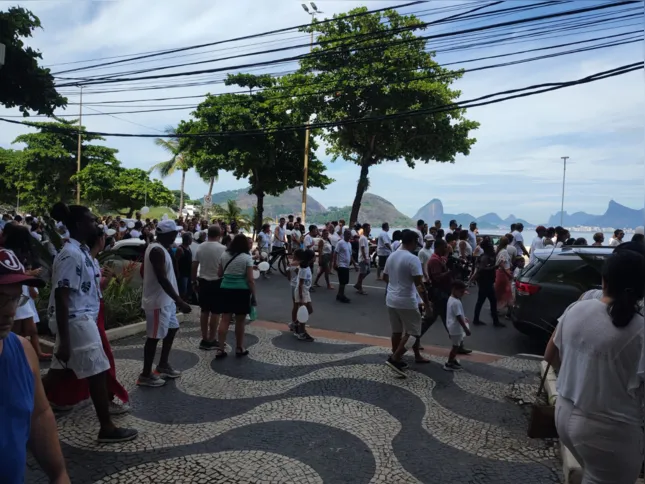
point(303, 314)
point(264, 255)
point(131, 225)
point(256, 274)
point(264, 266)
point(145, 210)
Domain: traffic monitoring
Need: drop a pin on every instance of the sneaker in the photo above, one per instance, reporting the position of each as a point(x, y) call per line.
point(207, 345)
point(117, 435)
point(397, 366)
point(452, 366)
point(344, 299)
point(304, 337)
point(119, 409)
point(168, 372)
point(154, 380)
point(464, 351)
point(292, 327)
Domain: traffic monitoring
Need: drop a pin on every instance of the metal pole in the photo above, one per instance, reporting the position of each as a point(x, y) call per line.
point(564, 177)
point(305, 172)
point(78, 157)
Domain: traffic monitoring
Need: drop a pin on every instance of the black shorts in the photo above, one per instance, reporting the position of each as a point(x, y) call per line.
point(209, 296)
point(382, 259)
point(343, 276)
point(325, 261)
point(235, 301)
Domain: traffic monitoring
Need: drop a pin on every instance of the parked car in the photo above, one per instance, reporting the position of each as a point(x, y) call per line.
point(555, 280)
point(123, 253)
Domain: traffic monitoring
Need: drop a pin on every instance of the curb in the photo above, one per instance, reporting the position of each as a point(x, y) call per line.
point(570, 467)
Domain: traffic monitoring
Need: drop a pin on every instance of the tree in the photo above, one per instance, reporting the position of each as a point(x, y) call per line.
point(49, 161)
point(180, 160)
point(177, 197)
point(22, 82)
point(125, 190)
point(11, 169)
point(385, 70)
point(272, 162)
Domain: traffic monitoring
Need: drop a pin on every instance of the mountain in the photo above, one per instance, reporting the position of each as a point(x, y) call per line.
point(490, 218)
point(431, 211)
point(616, 215)
point(512, 219)
point(289, 202)
point(374, 210)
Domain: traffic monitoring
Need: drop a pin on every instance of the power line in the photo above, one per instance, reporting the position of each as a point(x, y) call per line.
point(479, 101)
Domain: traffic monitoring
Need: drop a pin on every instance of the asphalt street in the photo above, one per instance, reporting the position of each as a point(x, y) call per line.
point(367, 314)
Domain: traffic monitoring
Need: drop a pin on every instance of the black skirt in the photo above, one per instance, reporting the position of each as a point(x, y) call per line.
point(234, 301)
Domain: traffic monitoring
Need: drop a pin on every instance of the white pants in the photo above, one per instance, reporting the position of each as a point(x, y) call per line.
point(610, 452)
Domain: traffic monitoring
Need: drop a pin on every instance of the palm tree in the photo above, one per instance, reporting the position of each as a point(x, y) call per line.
point(180, 161)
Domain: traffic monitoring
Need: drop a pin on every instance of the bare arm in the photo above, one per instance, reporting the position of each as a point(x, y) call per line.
point(61, 297)
point(251, 282)
point(362, 249)
point(193, 271)
point(43, 435)
point(524, 251)
point(158, 260)
point(421, 289)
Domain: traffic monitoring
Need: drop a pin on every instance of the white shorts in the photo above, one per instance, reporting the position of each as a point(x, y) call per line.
point(87, 357)
point(306, 296)
point(160, 320)
point(457, 339)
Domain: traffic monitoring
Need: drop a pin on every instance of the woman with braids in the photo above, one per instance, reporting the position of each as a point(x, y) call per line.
point(18, 239)
point(72, 390)
point(597, 346)
point(73, 311)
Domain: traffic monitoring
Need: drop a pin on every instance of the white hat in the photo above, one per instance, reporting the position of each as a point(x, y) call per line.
point(640, 230)
point(428, 237)
point(110, 232)
point(166, 226)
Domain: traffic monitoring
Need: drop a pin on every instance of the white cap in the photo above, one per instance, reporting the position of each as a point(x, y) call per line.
point(640, 230)
point(110, 232)
point(166, 226)
point(428, 237)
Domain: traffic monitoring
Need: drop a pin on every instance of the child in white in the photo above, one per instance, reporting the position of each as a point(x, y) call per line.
point(456, 324)
point(292, 275)
point(301, 295)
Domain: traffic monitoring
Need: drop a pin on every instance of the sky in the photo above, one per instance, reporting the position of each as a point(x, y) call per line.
point(515, 166)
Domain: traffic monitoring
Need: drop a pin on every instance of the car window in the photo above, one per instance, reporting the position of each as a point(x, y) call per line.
point(573, 272)
point(130, 252)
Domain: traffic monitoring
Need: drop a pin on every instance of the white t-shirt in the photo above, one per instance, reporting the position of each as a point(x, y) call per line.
point(381, 249)
point(344, 253)
point(309, 242)
point(304, 274)
point(503, 259)
point(537, 244)
point(238, 266)
point(512, 252)
point(293, 271)
point(467, 249)
point(326, 248)
point(395, 245)
point(334, 238)
point(424, 256)
point(517, 238)
point(363, 243)
point(472, 239)
point(419, 237)
point(295, 238)
point(135, 234)
point(264, 241)
point(208, 254)
point(599, 369)
point(614, 242)
point(401, 267)
point(453, 310)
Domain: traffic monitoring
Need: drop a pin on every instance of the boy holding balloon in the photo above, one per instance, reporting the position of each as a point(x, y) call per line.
point(302, 296)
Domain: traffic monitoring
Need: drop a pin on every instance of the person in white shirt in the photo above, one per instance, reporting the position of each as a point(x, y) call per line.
point(135, 233)
point(472, 235)
point(363, 259)
point(456, 324)
point(425, 254)
point(404, 278)
point(341, 262)
point(324, 258)
point(160, 301)
point(419, 232)
point(280, 236)
point(596, 347)
point(453, 226)
point(296, 237)
point(518, 240)
point(383, 249)
point(537, 243)
point(617, 239)
point(309, 243)
point(396, 240)
point(512, 251)
point(206, 281)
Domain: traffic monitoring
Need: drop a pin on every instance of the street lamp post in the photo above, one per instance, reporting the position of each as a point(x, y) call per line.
point(564, 177)
point(305, 171)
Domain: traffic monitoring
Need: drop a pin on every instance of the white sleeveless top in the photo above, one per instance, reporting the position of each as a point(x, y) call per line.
point(154, 297)
point(282, 232)
point(326, 248)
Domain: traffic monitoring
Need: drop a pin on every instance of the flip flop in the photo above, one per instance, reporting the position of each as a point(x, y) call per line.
point(241, 353)
point(221, 354)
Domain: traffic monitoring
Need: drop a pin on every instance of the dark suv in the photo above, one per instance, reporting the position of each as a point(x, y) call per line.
point(555, 280)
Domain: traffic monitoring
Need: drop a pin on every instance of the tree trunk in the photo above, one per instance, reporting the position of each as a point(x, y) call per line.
point(181, 196)
point(210, 187)
point(361, 188)
point(130, 212)
point(260, 212)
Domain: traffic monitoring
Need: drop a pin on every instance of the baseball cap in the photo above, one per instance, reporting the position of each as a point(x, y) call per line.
point(13, 272)
point(166, 226)
point(428, 237)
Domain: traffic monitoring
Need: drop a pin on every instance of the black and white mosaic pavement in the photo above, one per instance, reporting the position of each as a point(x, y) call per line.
point(323, 412)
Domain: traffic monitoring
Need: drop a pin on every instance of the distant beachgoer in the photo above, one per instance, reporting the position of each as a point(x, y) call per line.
point(538, 242)
point(518, 240)
point(581, 241)
point(383, 249)
point(504, 276)
point(598, 239)
point(617, 239)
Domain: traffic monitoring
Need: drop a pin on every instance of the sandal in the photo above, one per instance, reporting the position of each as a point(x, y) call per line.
point(220, 354)
point(241, 353)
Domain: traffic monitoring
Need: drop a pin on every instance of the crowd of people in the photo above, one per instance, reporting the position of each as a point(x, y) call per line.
point(426, 272)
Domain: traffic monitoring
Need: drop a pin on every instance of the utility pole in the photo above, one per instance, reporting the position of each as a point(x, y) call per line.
point(78, 156)
point(564, 178)
point(305, 172)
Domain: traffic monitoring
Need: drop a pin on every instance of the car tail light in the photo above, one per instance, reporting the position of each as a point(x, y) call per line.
point(526, 289)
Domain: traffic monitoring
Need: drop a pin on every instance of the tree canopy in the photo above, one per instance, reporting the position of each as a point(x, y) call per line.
point(372, 66)
point(23, 83)
point(272, 162)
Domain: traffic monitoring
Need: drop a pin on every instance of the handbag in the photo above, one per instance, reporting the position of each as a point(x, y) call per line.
point(542, 422)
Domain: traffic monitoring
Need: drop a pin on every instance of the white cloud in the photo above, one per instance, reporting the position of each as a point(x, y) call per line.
point(514, 166)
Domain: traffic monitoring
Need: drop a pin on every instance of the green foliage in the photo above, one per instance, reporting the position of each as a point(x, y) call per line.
point(386, 72)
point(272, 162)
point(177, 197)
point(122, 303)
point(22, 82)
point(181, 160)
